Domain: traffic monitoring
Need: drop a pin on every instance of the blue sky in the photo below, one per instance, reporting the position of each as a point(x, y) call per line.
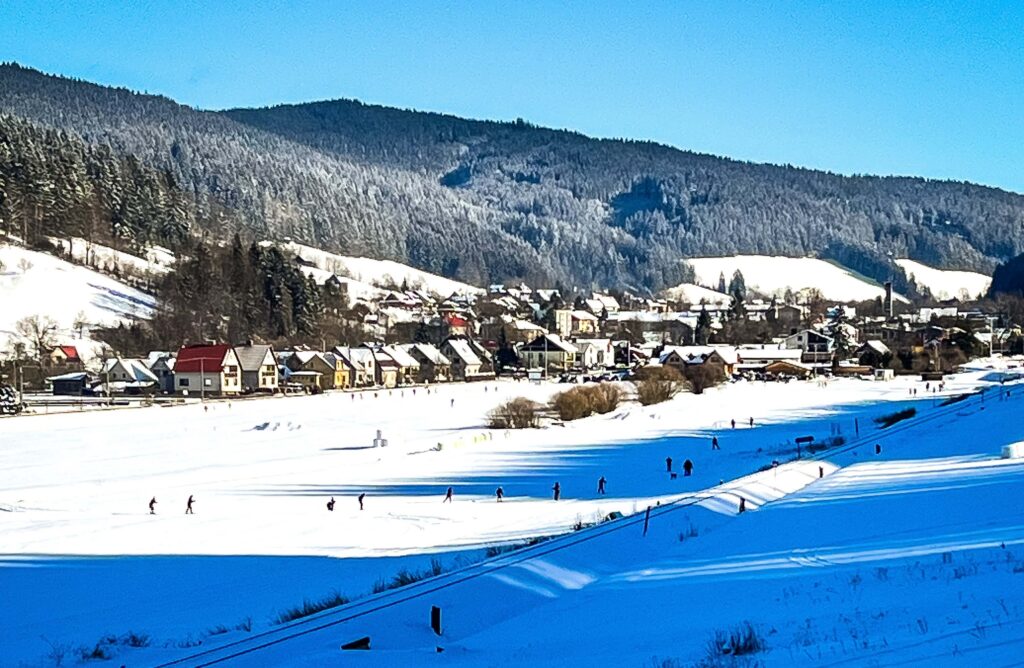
point(924, 88)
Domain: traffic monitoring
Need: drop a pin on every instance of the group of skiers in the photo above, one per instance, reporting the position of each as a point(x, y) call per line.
point(188, 505)
point(330, 504)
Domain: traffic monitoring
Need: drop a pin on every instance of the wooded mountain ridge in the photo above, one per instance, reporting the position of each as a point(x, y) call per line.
point(485, 201)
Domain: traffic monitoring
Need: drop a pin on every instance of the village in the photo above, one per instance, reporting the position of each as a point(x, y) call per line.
point(415, 337)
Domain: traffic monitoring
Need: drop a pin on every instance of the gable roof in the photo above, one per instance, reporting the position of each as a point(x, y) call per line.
point(403, 358)
point(431, 353)
point(251, 357)
point(70, 352)
point(201, 358)
point(135, 368)
point(554, 343)
point(463, 351)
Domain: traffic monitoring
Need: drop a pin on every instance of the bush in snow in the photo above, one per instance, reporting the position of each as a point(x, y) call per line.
point(740, 641)
point(583, 401)
point(656, 384)
point(518, 413)
point(892, 418)
point(332, 600)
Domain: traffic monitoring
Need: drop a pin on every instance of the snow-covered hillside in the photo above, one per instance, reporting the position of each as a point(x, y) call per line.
point(262, 491)
point(379, 273)
point(946, 284)
point(157, 260)
point(695, 294)
point(34, 283)
point(772, 276)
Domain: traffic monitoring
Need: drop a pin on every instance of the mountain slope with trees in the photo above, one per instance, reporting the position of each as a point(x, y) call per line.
point(485, 201)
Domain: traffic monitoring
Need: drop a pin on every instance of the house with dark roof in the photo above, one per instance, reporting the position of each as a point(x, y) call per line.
point(259, 367)
point(207, 369)
point(434, 366)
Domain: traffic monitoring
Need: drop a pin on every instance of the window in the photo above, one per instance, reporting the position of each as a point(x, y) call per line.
point(209, 382)
point(183, 382)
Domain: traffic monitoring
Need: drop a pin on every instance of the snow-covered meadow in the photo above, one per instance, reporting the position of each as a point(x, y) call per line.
point(83, 559)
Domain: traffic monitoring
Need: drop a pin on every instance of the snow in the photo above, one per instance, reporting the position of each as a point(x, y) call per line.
point(379, 273)
point(37, 284)
point(84, 559)
point(157, 260)
point(944, 283)
point(772, 276)
point(695, 294)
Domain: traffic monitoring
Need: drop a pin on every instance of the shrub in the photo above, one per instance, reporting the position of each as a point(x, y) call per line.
point(518, 413)
point(585, 400)
point(703, 376)
point(332, 600)
point(657, 384)
point(892, 418)
point(742, 640)
point(407, 577)
point(132, 639)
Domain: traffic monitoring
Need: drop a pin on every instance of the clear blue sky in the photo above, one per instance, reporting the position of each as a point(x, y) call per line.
point(925, 88)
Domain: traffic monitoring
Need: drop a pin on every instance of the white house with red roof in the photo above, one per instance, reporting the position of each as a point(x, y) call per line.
point(206, 369)
point(65, 356)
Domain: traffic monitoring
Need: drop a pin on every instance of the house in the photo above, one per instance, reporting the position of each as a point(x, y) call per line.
point(434, 366)
point(465, 363)
point(609, 304)
point(342, 377)
point(683, 357)
point(127, 376)
point(873, 353)
point(786, 316)
point(817, 348)
point(259, 368)
point(784, 368)
point(65, 357)
point(758, 359)
point(74, 384)
point(408, 366)
point(388, 370)
point(207, 369)
point(359, 361)
point(311, 381)
point(304, 361)
point(575, 322)
point(162, 366)
point(594, 353)
point(549, 352)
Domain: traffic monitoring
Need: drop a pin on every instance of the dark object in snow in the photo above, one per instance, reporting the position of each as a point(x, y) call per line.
point(878, 449)
point(821, 471)
point(557, 490)
point(668, 464)
point(362, 643)
point(435, 619)
point(714, 443)
point(734, 424)
point(448, 495)
point(614, 515)
point(687, 467)
point(361, 497)
point(743, 505)
point(500, 493)
point(188, 507)
point(600, 485)
point(152, 506)
point(751, 422)
point(330, 504)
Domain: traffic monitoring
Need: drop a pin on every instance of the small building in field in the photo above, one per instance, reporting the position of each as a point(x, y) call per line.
point(259, 368)
point(594, 353)
point(311, 360)
point(360, 361)
point(74, 384)
point(65, 357)
point(203, 369)
point(162, 366)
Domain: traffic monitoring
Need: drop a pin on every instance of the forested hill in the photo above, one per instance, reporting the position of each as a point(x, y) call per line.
point(484, 201)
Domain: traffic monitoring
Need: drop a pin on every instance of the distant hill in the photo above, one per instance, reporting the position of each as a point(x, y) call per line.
point(482, 201)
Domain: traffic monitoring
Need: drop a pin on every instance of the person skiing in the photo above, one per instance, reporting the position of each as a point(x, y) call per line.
point(878, 449)
point(821, 471)
point(152, 506)
point(453, 403)
point(600, 485)
point(687, 467)
point(361, 497)
point(751, 421)
point(714, 443)
point(188, 508)
point(448, 495)
point(330, 505)
point(734, 424)
point(743, 505)
point(557, 490)
point(668, 464)
point(500, 493)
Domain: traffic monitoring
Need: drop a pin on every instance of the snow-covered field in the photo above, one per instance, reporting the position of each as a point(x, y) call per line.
point(772, 276)
point(946, 284)
point(695, 294)
point(844, 566)
point(157, 260)
point(379, 273)
point(34, 283)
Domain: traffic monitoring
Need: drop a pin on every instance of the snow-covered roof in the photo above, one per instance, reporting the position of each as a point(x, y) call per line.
point(400, 355)
point(430, 352)
point(698, 354)
point(464, 351)
point(135, 368)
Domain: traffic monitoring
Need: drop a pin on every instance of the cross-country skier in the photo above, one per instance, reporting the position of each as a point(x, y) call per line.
point(448, 495)
point(188, 508)
point(557, 490)
point(687, 467)
point(500, 493)
point(361, 497)
point(668, 464)
point(600, 485)
point(152, 506)
point(330, 504)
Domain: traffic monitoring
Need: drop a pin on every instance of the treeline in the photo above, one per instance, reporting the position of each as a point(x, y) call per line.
point(495, 202)
point(53, 184)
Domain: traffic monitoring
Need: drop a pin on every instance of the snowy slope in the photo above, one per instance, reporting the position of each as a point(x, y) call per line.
point(157, 261)
point(772, 276)
point(946, 284)
point(33, 283)
point(380, 273)
point(75, 489)
point(695, 294)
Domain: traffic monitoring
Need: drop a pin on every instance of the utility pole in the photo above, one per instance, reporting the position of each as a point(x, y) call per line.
point(202, 380)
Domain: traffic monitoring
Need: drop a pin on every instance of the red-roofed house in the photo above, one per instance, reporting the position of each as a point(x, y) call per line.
point(65, 356)
point(457, 325)
point(207, 369)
